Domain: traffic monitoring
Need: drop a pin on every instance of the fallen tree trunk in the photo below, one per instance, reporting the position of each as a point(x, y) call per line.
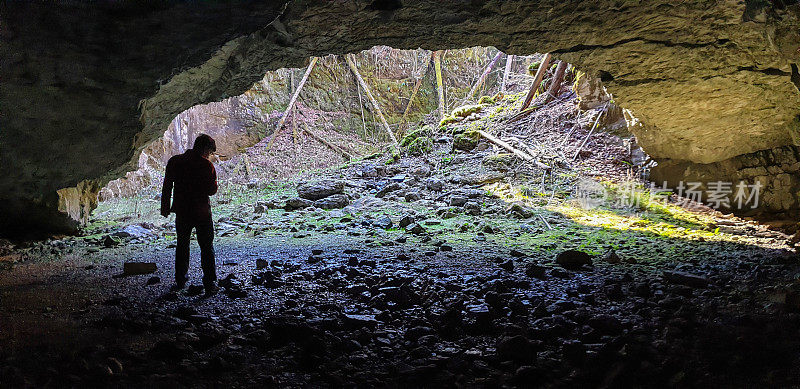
point(524, 156)
point(482, 78)
point(352, 64)
point(555, 85)
point(331, 146)
point(537, 80)
point(296, 93)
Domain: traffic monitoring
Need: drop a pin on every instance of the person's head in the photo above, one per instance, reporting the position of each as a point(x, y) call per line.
point(205, 145)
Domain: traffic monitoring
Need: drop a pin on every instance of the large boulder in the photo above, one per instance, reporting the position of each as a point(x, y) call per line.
point(319, 189)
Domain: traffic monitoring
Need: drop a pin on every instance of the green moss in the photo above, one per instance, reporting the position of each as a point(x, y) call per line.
point(467, 140)
point(413, 135)
point(533, 67)
point(487, 100)
point(420, 145)
point(394, 156)
point(466, 110)
point(447, 120)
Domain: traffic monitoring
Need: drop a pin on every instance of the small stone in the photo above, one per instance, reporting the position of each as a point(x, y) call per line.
point(388, 189)
point(573, 259)
point(138, 268)
point(336, 201)
point(405, 221)
point(415, 229)
point(360, 321)
point(412, 196)
point(297, 203)
point(535, 270)
point(434, 184)
point(384, 222)
point(507, 265)
point(517, 348)
point(684, 278)
point(518, 254)
point(611, 257)
point(457, 201)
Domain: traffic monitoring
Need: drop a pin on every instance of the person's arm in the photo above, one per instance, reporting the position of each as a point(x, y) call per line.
point(166, 189)
point(212, 184)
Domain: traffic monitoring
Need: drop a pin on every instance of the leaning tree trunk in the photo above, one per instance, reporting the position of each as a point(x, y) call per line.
point(371, 99)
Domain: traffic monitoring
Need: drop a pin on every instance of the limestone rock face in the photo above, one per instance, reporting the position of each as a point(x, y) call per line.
point(86, 87)
point(776, 172)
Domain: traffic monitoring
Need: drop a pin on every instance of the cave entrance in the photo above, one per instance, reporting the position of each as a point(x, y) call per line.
point(337, 120)
point(495, 244)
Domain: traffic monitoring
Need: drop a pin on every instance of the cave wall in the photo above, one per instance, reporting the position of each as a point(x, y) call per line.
point(86, 86)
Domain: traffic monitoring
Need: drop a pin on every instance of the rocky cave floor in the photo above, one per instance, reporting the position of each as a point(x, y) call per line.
point(445, 270)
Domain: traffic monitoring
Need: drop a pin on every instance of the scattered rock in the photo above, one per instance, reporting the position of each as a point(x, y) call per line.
point(297, 203)
point(415, 229)
point(611, 257)
point(534, 270)
point(336, 201)
point(384, 222)
point(684, 278)
point(138, 268)
point(517, 348)
point(434, 184)
point(573, 259)
point(319, 189)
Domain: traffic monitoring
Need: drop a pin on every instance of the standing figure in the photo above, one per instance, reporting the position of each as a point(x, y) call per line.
point(194, 179)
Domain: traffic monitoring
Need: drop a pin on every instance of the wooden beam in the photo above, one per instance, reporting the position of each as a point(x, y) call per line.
point(509, 62)
point(352, 64)
point(555, 85)
point(483, 76)
point(296, 93)
point(437, 65)
point(537, 80)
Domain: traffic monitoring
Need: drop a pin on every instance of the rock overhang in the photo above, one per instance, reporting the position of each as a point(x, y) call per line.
point(711, 81)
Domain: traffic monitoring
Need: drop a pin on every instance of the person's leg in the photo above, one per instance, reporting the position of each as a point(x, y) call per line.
point(183, 230)
point(205, 238)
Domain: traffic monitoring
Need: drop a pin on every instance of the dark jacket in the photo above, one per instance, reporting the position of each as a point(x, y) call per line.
point(194, 179)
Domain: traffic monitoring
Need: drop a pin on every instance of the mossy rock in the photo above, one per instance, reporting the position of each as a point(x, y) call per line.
point(500, 161)
point(420, 146)
point(394, 155)
point(413, 135)
point(466, 110)
point(487, 100)
point(466, 141)
point(447, 120)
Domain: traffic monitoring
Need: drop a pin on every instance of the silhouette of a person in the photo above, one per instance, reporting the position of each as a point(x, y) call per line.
point(190, 179)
